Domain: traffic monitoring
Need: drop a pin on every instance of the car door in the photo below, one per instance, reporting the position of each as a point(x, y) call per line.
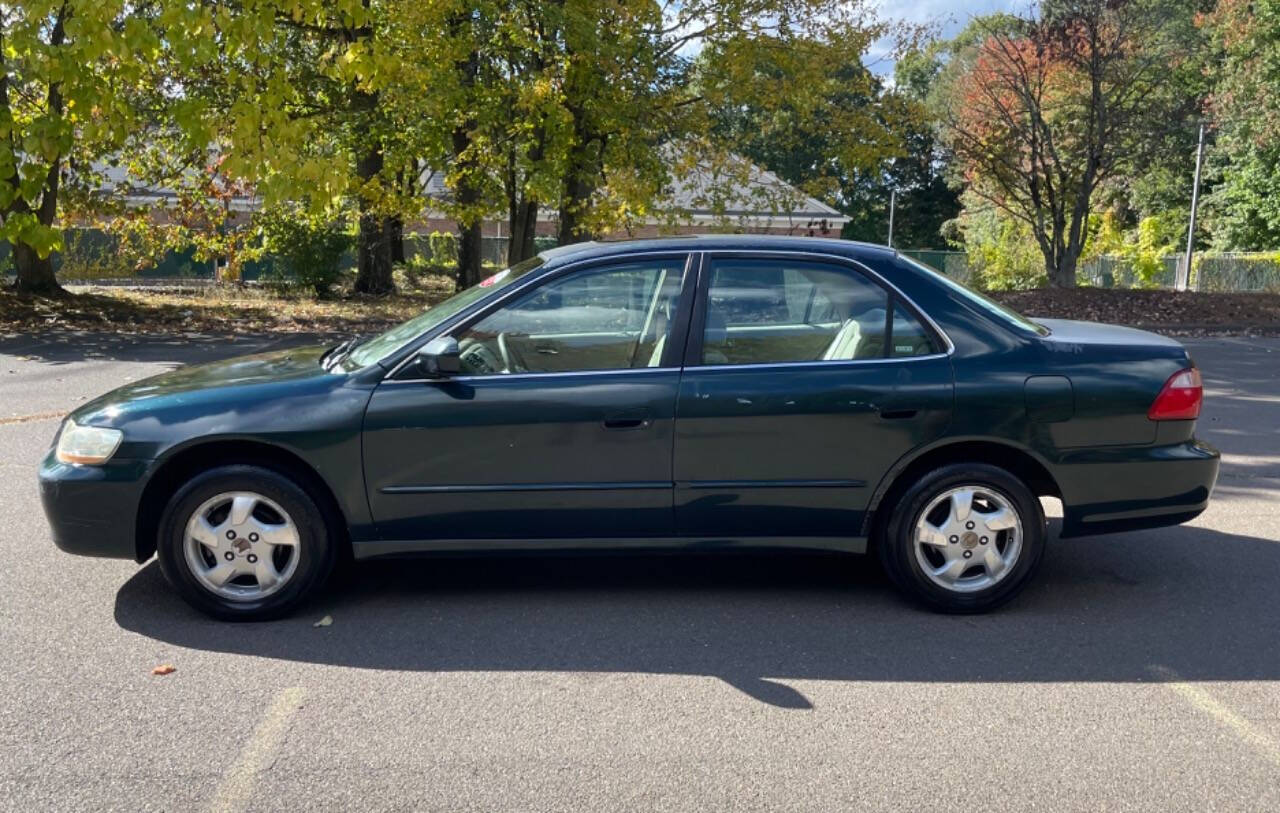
point(805, 380)
point(560, 424)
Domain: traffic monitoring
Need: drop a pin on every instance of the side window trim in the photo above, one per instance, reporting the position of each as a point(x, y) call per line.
point(697, 322)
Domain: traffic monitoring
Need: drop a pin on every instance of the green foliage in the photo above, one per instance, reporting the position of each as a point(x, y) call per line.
point(444, 248)
point(420, 273)
point(305, 249)
point(1140, 251)
point(1243, 210)
point(73, 71)
point(90, 254)
point(1003, 254)
point(1046, 115)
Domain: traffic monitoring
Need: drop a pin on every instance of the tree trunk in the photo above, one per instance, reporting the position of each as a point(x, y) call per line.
point(469, 267)
point(373, 246)
point(576, 199)
point(579, 187)
point(396, 225)
point(524, 222)
point(1062, 274)
point(35, 275)
point(373, 255)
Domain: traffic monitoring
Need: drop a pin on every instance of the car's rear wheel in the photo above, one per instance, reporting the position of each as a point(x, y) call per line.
point(244, 543)
point(965, 538)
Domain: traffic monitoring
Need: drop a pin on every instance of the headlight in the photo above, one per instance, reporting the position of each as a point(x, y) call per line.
point(91, 445)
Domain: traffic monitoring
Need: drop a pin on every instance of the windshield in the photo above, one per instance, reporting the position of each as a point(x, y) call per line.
point(1002, 313)
point(381, 346)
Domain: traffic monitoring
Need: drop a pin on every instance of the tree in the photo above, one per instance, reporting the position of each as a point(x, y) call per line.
point(601, 107)
point(1040, 112)
point(69, 72)
point(1245, 207)
point(305, 99)
point(810, 111)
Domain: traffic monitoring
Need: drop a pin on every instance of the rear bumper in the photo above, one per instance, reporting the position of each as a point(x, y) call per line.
point(1130, 488)
point(92, 510)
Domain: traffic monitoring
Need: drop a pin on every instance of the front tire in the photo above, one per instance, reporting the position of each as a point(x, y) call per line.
point(965, 538)
point(244, 543)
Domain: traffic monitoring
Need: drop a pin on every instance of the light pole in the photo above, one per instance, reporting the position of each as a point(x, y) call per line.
point(893, 203)
point(1183, 280)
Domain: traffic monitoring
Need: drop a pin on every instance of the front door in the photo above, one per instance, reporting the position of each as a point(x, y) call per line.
point(559, 427)
point(805, 381)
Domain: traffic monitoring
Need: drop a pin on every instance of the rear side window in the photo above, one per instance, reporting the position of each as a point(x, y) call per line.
point(909, 336)
point(779, 311)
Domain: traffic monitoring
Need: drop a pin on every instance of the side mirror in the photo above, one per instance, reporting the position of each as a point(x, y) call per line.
point(439, 358)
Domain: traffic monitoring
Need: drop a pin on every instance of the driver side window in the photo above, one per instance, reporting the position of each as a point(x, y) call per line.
point(610, 318)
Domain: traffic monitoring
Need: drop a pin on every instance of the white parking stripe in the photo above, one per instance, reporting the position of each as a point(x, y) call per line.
point(236, 788)
point(1207, 703)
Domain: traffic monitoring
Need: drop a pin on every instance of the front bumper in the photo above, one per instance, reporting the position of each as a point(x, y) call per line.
point(93, 510)
point(1129, 488)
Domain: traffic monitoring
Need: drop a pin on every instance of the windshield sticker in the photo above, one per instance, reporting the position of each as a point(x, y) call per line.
point(485, 283)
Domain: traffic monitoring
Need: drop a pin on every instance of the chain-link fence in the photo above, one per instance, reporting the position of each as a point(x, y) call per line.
point(1236, 272)
point(1219, 272)
point(955, 264)
point(89, 255)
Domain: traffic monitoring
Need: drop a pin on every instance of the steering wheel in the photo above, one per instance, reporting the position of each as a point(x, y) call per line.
point(512, 361)
point(477, 358)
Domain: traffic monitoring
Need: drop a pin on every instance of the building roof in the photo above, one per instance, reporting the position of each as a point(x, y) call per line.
point(733, 193)
point(742, 189)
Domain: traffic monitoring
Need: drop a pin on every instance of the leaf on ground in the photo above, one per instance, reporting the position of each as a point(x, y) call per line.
point(324, 622)
point(164, 669)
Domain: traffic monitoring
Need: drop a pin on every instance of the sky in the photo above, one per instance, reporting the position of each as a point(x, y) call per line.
point(949, 16)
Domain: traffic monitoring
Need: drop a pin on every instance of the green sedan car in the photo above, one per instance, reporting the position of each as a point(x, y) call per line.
point(703, 394)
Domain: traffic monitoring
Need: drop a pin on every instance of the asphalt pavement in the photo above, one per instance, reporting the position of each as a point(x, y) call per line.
point(1139, 671)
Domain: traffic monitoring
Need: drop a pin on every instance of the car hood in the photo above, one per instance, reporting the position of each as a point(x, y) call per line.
point(197, 383)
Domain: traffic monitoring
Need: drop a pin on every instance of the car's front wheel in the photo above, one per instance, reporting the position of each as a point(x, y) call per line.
point(964, 538)
point(244, 543)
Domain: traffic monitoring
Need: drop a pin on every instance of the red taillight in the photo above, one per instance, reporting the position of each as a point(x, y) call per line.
point(1180, 399)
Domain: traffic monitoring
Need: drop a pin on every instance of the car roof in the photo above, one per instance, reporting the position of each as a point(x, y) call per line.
point(714, 242)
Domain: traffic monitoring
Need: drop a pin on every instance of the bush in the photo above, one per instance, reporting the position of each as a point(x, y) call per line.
point(419, 273)
point(444, 248)
point(1002, 253)
point(91, 255)
point(305, 250)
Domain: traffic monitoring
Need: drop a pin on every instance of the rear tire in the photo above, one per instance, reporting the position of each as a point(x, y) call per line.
point(965, 538)
point(244, 543)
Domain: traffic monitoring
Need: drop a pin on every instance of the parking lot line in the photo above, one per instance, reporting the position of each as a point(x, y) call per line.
point(1207, 703)
point(236, 787)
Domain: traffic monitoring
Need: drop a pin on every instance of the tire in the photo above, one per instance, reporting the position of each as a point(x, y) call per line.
point(969, 567)
point(263, 547)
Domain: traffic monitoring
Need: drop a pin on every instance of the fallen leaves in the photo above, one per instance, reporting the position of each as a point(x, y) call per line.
point(324, 622)
point(164, 669)
point(219, 311)
point(1178, 312)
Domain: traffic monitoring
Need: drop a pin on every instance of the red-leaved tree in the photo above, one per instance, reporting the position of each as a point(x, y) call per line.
point(1040, 112)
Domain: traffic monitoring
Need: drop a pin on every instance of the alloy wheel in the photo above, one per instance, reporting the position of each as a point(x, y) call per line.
point(968, 538)
point(241, 546)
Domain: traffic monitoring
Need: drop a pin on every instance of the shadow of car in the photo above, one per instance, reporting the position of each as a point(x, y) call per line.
point(1186, 601)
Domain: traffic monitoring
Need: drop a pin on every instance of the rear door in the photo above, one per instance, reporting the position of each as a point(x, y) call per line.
point(805, 380)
